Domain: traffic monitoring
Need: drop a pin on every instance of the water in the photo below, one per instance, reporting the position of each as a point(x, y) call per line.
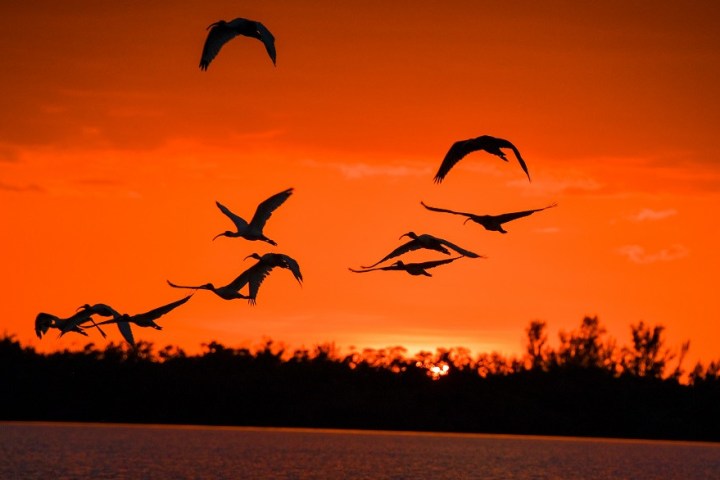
point(99, 451)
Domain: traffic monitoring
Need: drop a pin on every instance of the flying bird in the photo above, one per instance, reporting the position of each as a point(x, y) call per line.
point(427, 241)
point(146, 319)
point(411, 268)
point(491, 222)
point(45, 321)
point(226, 292)
point(107, 311)
point(492, 145)
point(255, 275)
point(254, 229)
point(222, 32)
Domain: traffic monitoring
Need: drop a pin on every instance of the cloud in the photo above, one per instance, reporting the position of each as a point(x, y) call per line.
point(650, 214)
point(638, 254)
point(358, 170)
point(9, 187)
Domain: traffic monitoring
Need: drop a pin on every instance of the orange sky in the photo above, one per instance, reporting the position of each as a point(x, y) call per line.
point(114, 147)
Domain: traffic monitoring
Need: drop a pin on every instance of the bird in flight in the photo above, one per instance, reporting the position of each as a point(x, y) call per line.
point(46, 321)
point(492, 145)
point(107, 311)
point(491, 222)
point(411, 268)
point(146, 319)
point(254, 229)
point(222, 32)
point(255, 275)
point(226, 292)
point(427, 241)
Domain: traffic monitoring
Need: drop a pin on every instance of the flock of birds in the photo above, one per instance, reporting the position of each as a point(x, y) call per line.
point(219, 34)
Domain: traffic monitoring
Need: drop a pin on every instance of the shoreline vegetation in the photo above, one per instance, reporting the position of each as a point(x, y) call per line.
point(587, 386)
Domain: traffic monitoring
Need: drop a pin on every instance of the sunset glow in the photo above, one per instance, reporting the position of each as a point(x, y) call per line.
point(115, 146)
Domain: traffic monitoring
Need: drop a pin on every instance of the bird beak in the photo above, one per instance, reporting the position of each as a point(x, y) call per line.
point(466, 220)
point(218, 235)
point(211, 25)
point(248, 256)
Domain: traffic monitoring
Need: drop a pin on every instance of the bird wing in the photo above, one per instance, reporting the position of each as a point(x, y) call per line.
point(193, 287)
point(404, 248)
point(435, 209)
point(371, 269)
point(156, 313)
point(292, 265)
point(507, 217)
point(266, 208)
point(239, 222)
point(436, 263)
point(126, 332)
point(460, 250)
point(218, 36)
point(502, 143)
point(72, 323)
point(43, 321)
point(457, 151)
point(268, 40)
point(253, 276)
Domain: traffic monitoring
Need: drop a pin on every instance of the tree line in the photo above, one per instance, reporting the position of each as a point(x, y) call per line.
point(586, 386)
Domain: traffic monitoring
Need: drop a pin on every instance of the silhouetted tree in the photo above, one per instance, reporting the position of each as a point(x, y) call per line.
point(536, 347)
point(647, 356)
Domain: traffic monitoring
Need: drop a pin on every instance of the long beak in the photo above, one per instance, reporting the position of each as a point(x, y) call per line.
point(218, 235)
point(212, 25)
point(466, 220)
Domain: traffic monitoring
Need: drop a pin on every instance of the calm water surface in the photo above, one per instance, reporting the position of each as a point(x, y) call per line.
point(98, 451)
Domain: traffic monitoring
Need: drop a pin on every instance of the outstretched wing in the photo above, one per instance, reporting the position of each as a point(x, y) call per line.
point(253, 276)
point(218, 36)
point(457, 151)
point(292, 265)
point(192, 287)
point(266, 208)
point(239, 222)
point(435, 209)
point(460, 250)
point(436, 263)
point(507, 217)
point(126, 332)
point(502, 143)
point(371, 269)
point(160, 311)
point(404, 248)
point(268, 40)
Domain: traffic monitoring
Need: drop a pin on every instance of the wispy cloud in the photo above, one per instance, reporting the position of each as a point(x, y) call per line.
point(638, 254)
point(650, 214)
point(9, 187)
point(357, 170)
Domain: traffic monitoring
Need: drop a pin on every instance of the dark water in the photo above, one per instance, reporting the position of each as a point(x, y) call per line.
point(78, 451)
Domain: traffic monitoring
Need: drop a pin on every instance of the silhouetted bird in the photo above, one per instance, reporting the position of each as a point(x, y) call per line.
point(107, 311)
point(424, 241)
point(411, 268)
point(491, 222)
point(226, 292)
point(45, 321)
point(254, 229)
point(492, 145)
point(255, 275)
point(222, 32)
point(146, 319)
